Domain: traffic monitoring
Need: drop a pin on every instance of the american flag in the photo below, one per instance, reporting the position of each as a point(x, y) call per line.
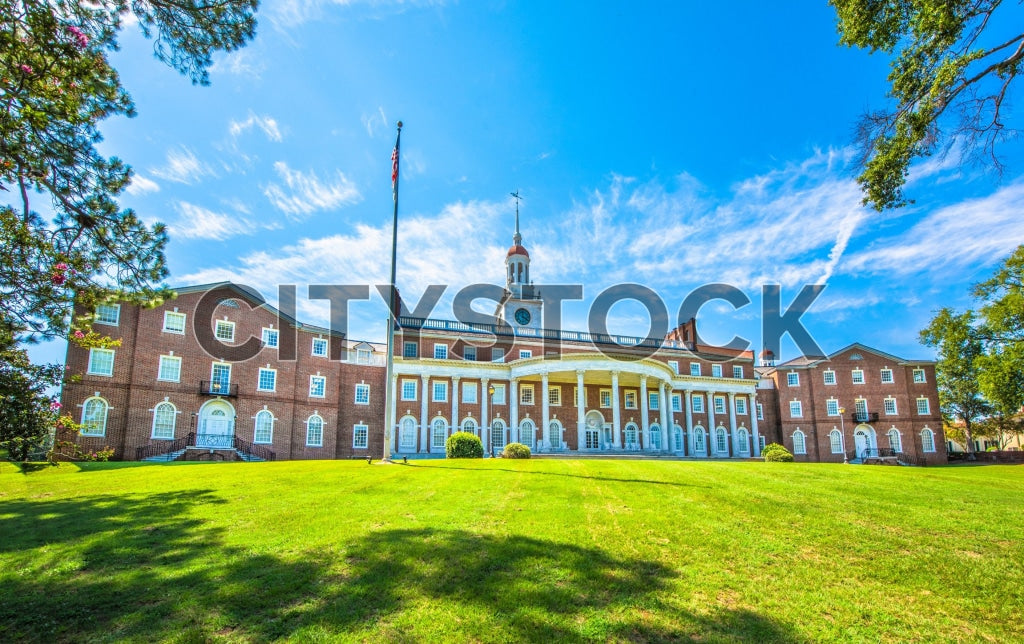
point(394, 167)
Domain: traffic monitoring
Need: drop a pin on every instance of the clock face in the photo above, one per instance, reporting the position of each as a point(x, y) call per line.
point(522, 316)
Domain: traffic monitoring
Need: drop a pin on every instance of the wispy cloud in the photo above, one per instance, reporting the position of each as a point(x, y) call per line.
point(141, 185)
point(183, 167)
point(375, 121)
point(265, 123)
point(305, 193)
point(196, 222)
point(242, 62)
point(291, 13)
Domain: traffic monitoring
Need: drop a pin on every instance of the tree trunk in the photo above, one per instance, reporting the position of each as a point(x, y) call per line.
point(970, 442)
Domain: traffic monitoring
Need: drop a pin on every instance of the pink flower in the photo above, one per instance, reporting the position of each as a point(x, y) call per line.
point(80, 37)
point(58, 279)
point(25, 68)
point(54, 406)
point(61, 266)
point(79, 335)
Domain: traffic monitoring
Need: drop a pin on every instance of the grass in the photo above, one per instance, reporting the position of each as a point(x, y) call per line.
point(509, 551)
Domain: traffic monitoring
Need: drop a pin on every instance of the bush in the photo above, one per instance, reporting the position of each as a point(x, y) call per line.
point(516, 450)
point(464, 445)
point(773, 452)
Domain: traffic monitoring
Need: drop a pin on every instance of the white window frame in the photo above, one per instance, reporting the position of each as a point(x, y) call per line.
point(885, 406)
point(360, 436)
point(760, 411)
point(630, 394)
point(498, 397)
point(94, 357)
point(526, 395)
point(829, 377)
point(363, 356)
point(737, 371)
point(171, 328)
point(167, 360)
point(884, 373)
point(694, 368)
point(857, 376)
point(469, 390)
point(860, 406)
point(925, 447)
point(697, 400)
point(792, 379)
point(256, 438)
point(225, 324)
point(93, 426)
point(554, 396)
point(720, 405)
point(525, 353)
point(674, 366)
point(741, 405)
point(319, 342)
point(653, 401)
point(716, 370)
point(410, 350)
point(801, 447)
point(897, 445)
point(832, 407)
point(114, 320)
point(926, 410)
point(438, 425)
point(259, 379)
point(270, 337)
point(919, 376)
point(677, 402)
point(362, 394)
point(409, 385)
point(836, 446)
point(796, 409)
point(322, 382)
point(604, 398)
point(311, 439)
point(469, 354)
point(439, 391)
point(156, 417)
point(440, 351)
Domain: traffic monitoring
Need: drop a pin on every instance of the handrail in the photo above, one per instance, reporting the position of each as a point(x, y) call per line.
point(253, 449)
point(887, 452)
point(218, 388)
point(155, 448)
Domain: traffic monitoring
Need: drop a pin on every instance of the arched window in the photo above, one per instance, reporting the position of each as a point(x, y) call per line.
point(315, 431)
point(743, 438)
point(94, 417)
point(836, 441)
point(723, 441)
point(895, 441)
point(407, 434)
point(164, 417)
point(497, 436)
point(438, 433)
point(927, 440)
point(555, 435)
point(264, 430)
point(631, 439)
point(677, 438)
point(698, 440)
point(469, 425)
point(527, 431)
point(799, 443)
point(655, 433)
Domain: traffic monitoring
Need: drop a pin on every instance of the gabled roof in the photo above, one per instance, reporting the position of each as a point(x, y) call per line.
point(803, 362)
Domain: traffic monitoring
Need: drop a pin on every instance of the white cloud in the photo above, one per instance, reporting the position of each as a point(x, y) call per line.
point(291, 13)
point(265, 123)
point(183, 167)
point(375, 121)
point(239, 63)
point(196, 222)
point(140, 185)
point(306, 193)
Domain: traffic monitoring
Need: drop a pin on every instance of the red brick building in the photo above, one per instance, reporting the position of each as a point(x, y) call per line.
point(218, 373)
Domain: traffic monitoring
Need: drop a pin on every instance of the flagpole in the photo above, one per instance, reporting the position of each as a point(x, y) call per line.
point(389, 422)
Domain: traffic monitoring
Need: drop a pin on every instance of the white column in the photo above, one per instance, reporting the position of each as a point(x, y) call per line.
point(666, 429)
point(581, 409)
point(645, 436)
point(732, 424)
point(688, 401)
point(485, 423)
point(513, 410)
point(752, 409)
point(545, 411)
point(455, 404)
point(616, 414)
point(709, 400)
point(424, 419)
point(394, 413)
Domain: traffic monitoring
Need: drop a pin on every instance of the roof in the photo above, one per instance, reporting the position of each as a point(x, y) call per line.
point(517, 249)
point(810, 361)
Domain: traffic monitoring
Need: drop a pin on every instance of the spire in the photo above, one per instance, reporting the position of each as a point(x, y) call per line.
point(517, 239)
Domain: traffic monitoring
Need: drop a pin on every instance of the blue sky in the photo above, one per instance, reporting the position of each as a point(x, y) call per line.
point(669, 144)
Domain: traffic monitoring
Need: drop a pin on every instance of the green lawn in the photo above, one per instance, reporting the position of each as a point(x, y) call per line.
point(503, 550)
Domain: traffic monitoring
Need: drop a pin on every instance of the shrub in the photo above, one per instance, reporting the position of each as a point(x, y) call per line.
point(516, 450)
point(773, 452)
point(464, 445)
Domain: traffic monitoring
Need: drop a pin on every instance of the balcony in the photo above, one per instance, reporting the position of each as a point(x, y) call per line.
point(219, 388)
point(864, 417)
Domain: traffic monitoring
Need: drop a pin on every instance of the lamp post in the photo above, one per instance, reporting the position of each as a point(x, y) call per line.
point(842, 426)
point(490, 394)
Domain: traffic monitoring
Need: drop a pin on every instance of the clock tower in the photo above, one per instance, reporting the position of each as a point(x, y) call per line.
point(521, 307)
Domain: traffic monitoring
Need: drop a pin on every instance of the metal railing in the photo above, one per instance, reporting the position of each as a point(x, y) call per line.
point(409, 322)
point(864, 417)
point(218, 388)
point(156, 448)
point(252, 449)
point(886, 452)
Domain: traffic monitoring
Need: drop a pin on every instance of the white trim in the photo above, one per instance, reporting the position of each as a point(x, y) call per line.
point(176, 315)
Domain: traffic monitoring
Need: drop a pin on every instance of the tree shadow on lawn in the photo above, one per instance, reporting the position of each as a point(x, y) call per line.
point(565, 474)
point(142, 569)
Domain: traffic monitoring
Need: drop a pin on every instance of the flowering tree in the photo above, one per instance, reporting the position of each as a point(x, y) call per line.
point(62, 232)
point(26, 411)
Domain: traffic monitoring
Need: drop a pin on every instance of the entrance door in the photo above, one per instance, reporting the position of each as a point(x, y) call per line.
point(216, 425)
point(861, 442)
point(592, 438)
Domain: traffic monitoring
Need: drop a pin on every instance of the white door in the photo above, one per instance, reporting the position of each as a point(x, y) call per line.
point(861, 442)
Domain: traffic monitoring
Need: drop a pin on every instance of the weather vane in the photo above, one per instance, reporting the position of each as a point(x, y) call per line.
point(515, 195)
